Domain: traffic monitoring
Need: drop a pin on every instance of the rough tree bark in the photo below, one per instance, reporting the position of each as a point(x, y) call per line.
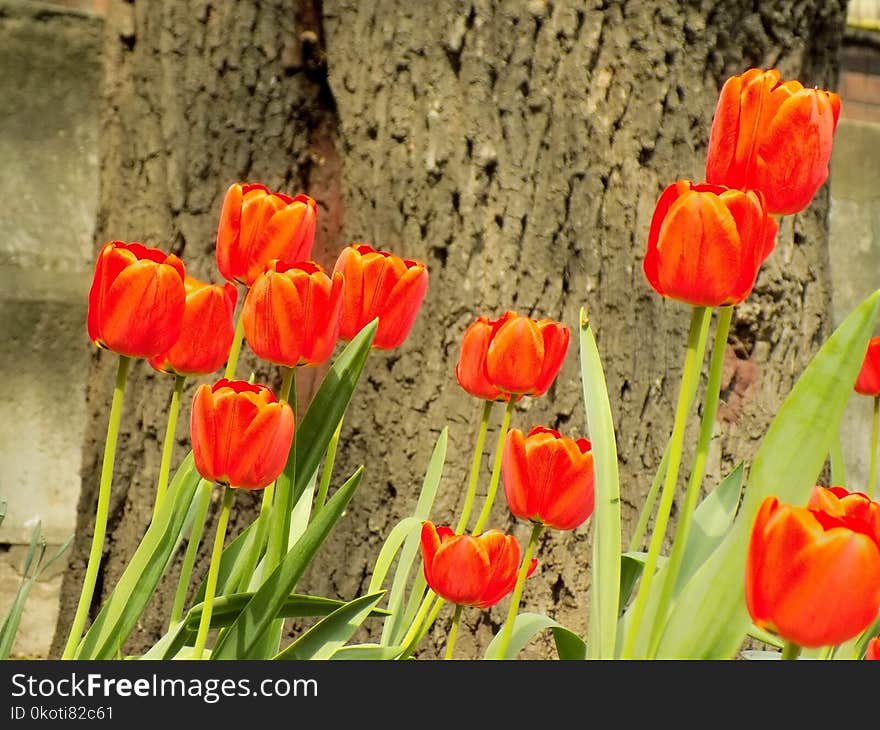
point(518, 149)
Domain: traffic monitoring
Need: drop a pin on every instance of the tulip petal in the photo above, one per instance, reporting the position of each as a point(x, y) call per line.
point(516, 355)
point(400, 308)
point(461, 570)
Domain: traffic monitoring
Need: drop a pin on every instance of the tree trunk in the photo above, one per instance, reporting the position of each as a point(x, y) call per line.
point(518, 149)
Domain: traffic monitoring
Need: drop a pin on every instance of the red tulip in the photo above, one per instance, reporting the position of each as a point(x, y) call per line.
point(380, 284)
point(136, 301)
point(873, 649)
point(707, 243)
point(241, 435)
point(470, 571)
point(868, 380)
point(813, 573)
point(514, 355)
point(206, 333)
point(548, 478)
point(257, 226)
point(291, 313)
point(774, 137)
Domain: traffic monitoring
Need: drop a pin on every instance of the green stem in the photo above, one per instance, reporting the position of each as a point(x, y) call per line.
point(192, 550)
point(507, 629)
point(687, 389)
point(213, 571)
point(235, 348)
point(875, 428)
point(648, 506)
point(475, 469)
point(692, 491)
point(790, 650)
point(91, 575)
point(496, 467)
point(327, 473)
point(279, 521)
point(453, 632)
point(168, 446)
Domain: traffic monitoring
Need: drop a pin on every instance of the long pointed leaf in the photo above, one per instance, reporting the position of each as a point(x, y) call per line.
point(604, 592)
point(331, 632)
point(526, 626)
point(130, 595)
point(258, 614)
point(711, 619)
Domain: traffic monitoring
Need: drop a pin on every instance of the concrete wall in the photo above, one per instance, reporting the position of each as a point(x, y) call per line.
point(49, 83)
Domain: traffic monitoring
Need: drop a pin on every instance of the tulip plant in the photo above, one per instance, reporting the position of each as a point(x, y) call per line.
point(766, 555)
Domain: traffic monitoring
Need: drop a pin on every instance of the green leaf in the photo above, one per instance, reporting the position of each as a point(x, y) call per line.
point(9, 630)
point(245, 632)
point(526, 626)
point(632, 564)
point(394, 627)
point(604, 596)
point(310, 441)
point(330, 633)
point(126, 603)
point(711, 619)
point(403, 529)
point(367, 652)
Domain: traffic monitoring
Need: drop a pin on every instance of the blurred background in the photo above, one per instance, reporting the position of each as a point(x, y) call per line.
point(50, 84)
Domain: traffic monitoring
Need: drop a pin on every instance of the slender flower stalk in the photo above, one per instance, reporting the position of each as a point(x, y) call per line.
point(692, 491)
point(235, 349)
point(648, 506)
point(91, 576)
point(421, 628)
point(790, 650)
point(496, 468)
point(453, 632)
point(192, 548)
point(168, 446)
point(213, 571)
point(475, 469)
point(687, 389)
point(279, 522)
point(875, 430)
point(507, 629)
point(327, 473)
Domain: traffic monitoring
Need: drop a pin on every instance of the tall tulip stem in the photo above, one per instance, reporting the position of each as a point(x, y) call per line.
point(235, 348)
point(790, 650)
point(213, 572)
point(496, 467)
point(192, 549)
point(327, 473)
point(91, 575)
point(453, 632)
point(692, 491)
point(687, 389)
point(279, 523)
point(475, 469)
point(875, 430)
point(507, 629)
point(168, 445)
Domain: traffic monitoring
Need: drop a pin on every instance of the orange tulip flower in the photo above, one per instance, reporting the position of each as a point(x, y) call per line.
point(380, 284)
point(241, 435)
point(707, 243)
point(868, 380)
point(873, 649)
point(470, 571)
point(470, 371)
point(291, 313)
point(206, 333)
point(257, 226)
point(136, 301)
point(548, 478)
point(523, 355)
point(813, 573)
point(772, 136)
